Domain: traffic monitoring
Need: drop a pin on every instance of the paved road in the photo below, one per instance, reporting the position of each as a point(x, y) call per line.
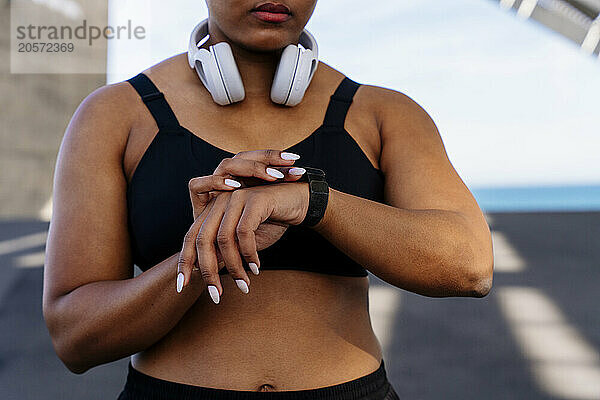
point(536, 336)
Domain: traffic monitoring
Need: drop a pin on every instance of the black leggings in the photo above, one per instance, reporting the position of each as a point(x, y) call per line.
point(373, 386)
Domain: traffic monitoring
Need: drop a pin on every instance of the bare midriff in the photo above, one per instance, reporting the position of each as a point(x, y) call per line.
point(294, 330)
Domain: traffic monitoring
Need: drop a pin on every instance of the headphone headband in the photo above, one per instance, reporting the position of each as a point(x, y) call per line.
point(307, 40)
point(217, 69)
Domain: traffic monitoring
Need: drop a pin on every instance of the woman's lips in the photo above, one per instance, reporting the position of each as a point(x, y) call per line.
point(274, 8)
point(272, 12)
point(271, 17)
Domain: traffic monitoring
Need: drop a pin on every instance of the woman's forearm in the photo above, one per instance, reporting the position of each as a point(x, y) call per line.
point(105, 321)
point(430, 252)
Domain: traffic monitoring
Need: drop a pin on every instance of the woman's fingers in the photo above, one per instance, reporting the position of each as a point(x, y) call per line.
point(236, 242)
point(215, 245)
point(202, 189)
point(206, 249)
point(232, 220)
point(239, 167)
point(293, 173)
point(188, 256)
point(245, 230)
point(228, 247)
point(267, 164)
point(269, 156)
point(203, 184)
point(246, 168)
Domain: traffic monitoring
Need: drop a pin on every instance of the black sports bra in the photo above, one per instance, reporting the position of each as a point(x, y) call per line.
point(160, 211)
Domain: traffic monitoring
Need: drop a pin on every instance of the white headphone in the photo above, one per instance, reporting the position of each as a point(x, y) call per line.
point(219, 73)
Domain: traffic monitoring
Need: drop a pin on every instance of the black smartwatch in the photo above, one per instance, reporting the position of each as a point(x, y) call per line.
point(319, 195)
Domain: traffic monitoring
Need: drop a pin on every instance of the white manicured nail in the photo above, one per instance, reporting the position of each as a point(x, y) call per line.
point(180, 278)
point(289, 156)
point(242, 285)
point(253, 267)
point(275, 173)
point(232, 183)
point(296, 171)
point(214, 293)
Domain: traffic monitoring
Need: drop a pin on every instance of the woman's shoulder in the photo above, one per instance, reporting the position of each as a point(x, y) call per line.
point(370, 98)
point(107, 101)
point(118, 97)
point(105, 117)
point(120, 100)
point(382, 98)
point(172, 72)
point(385, 112)
point(390, 105)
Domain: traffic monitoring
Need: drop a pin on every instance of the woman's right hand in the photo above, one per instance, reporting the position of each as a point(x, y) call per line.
point(249, 168)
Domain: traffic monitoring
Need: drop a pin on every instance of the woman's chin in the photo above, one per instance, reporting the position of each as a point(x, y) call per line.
point(273, 46)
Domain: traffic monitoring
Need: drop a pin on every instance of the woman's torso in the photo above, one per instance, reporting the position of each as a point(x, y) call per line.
point(295, 329)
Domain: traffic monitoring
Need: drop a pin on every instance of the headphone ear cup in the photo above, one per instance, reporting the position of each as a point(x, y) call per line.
point(284, 74)
point(302, 77)
point(229, 75)
point(208, 72)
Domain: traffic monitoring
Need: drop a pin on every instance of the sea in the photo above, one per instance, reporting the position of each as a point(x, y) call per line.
point(537, 198)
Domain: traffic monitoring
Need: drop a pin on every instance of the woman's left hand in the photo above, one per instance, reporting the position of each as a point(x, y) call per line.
point(232, 223)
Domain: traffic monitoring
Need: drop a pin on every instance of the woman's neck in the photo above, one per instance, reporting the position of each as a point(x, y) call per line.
point(257, 69)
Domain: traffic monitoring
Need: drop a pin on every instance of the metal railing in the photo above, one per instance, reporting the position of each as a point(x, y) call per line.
point(578, 20)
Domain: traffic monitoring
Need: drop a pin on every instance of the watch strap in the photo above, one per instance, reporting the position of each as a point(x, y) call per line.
point(319, 196)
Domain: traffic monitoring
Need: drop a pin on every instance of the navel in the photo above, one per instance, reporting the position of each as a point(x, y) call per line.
point(266, 388)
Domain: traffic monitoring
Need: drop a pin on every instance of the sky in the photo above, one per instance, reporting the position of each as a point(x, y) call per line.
point(516, 104)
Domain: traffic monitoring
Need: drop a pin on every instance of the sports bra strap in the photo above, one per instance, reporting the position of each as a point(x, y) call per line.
point(340, 103)
point(164, 116)
point(155, 101)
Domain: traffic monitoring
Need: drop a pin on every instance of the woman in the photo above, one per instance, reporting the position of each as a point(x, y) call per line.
point(165, 201)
